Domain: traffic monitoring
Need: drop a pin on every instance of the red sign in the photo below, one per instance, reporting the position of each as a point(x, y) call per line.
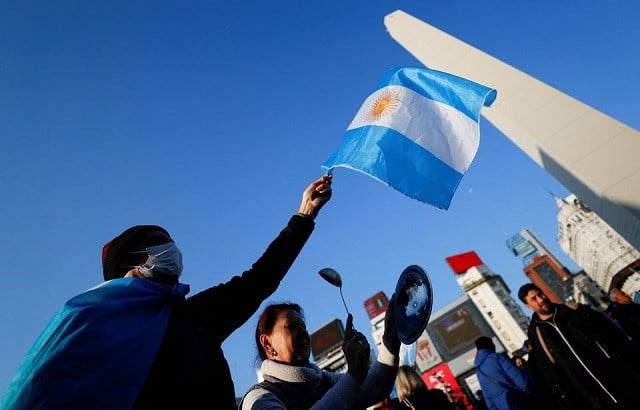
point(463, 262)
point(327, 338)
point(376, 304)
point(440, 377)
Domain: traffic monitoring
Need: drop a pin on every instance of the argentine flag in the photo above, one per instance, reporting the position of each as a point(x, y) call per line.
point(418, 133)
point(96, 352)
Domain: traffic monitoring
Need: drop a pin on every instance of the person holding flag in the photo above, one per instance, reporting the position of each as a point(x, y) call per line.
point(134, 341)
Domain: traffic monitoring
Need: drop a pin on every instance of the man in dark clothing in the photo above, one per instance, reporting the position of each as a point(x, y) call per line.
point(186, 369)
point(580, 359)
point(624, 313)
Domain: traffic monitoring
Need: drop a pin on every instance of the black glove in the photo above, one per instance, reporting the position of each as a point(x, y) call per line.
point(390, 335)
point(356, 350)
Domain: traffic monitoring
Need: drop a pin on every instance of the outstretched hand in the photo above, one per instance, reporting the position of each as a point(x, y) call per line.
point(356, 351)
point(315, 196)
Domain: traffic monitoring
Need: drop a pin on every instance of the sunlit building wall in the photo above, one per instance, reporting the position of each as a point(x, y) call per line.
point(376, 307)
point(594, 245)
point(546, 274)
point(492, 298)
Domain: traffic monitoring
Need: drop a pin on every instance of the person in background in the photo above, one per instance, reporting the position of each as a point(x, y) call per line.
point(580, 359)
point(413, 392)
point(624, 313)
point(136, 342)
point(503, 384)
point(291, 381)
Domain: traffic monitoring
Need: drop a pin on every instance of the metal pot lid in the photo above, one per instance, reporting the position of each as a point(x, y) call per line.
point(413, 302)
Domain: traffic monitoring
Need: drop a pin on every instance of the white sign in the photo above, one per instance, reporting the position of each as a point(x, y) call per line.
point(426, 354)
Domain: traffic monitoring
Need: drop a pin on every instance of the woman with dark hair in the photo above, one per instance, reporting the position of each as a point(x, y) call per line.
point(291, 381)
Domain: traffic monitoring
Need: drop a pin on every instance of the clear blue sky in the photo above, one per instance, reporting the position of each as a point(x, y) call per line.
point(211, 117)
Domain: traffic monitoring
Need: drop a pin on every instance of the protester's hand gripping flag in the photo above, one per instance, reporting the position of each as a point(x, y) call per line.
point(418, 133)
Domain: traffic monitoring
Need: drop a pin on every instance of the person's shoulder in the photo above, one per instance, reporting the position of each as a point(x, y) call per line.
point(572, 309)
point(503, 360)
point(259, 393)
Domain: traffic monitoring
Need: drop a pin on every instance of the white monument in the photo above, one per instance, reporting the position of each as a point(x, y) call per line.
point(593, 155)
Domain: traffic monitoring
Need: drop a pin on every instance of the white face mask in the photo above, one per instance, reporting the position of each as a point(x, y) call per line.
point(165, 259)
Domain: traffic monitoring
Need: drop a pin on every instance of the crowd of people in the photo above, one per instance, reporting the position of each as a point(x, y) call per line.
point(136, 341)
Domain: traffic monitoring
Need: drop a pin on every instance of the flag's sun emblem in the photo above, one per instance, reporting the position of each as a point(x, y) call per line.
point(384, 105)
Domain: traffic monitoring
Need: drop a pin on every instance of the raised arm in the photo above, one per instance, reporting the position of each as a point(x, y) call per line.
point(240, 297)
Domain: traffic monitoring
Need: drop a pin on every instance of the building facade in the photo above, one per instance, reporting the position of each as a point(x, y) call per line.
point(326, 347)
point(492, 298)
point(526, 246)
point(604, 255)
point(554, 281)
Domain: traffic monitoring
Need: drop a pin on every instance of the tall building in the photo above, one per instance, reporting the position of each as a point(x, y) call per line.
point(603, 254)
point(492, 298)
point(326, 347)
point(545, 273)
point(376, 307)
point(587, 292)
point(525, 245)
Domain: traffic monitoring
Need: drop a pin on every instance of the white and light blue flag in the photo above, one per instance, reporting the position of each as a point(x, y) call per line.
point(96, 352)
point(418, 132)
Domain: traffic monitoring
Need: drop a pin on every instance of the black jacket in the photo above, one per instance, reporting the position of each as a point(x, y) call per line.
point(190, 370)
point(627, 316)
point(581, 360)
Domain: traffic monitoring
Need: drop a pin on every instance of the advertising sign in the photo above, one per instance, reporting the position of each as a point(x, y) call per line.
point(327, 338)
point(440, 377)
point(376, 305)
point(459, 328)
point(473, 384)
point(426, 354)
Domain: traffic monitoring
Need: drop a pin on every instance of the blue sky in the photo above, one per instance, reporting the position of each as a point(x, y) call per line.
point(210, 118)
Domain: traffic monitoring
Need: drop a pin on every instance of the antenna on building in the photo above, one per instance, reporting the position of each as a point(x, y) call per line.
point(559, 200)
point(554, 196)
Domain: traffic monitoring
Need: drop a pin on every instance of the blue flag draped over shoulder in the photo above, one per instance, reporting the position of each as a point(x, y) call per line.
point(418, 132)
point(96, 352)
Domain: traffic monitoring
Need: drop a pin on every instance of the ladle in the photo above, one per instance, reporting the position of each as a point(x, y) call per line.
point(333, 277)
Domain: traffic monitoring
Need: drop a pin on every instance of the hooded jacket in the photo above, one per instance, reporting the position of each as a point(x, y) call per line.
point(501, 368)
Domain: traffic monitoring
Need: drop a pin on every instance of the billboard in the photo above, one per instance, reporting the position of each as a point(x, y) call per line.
point(327, 338)
point(456, 331)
